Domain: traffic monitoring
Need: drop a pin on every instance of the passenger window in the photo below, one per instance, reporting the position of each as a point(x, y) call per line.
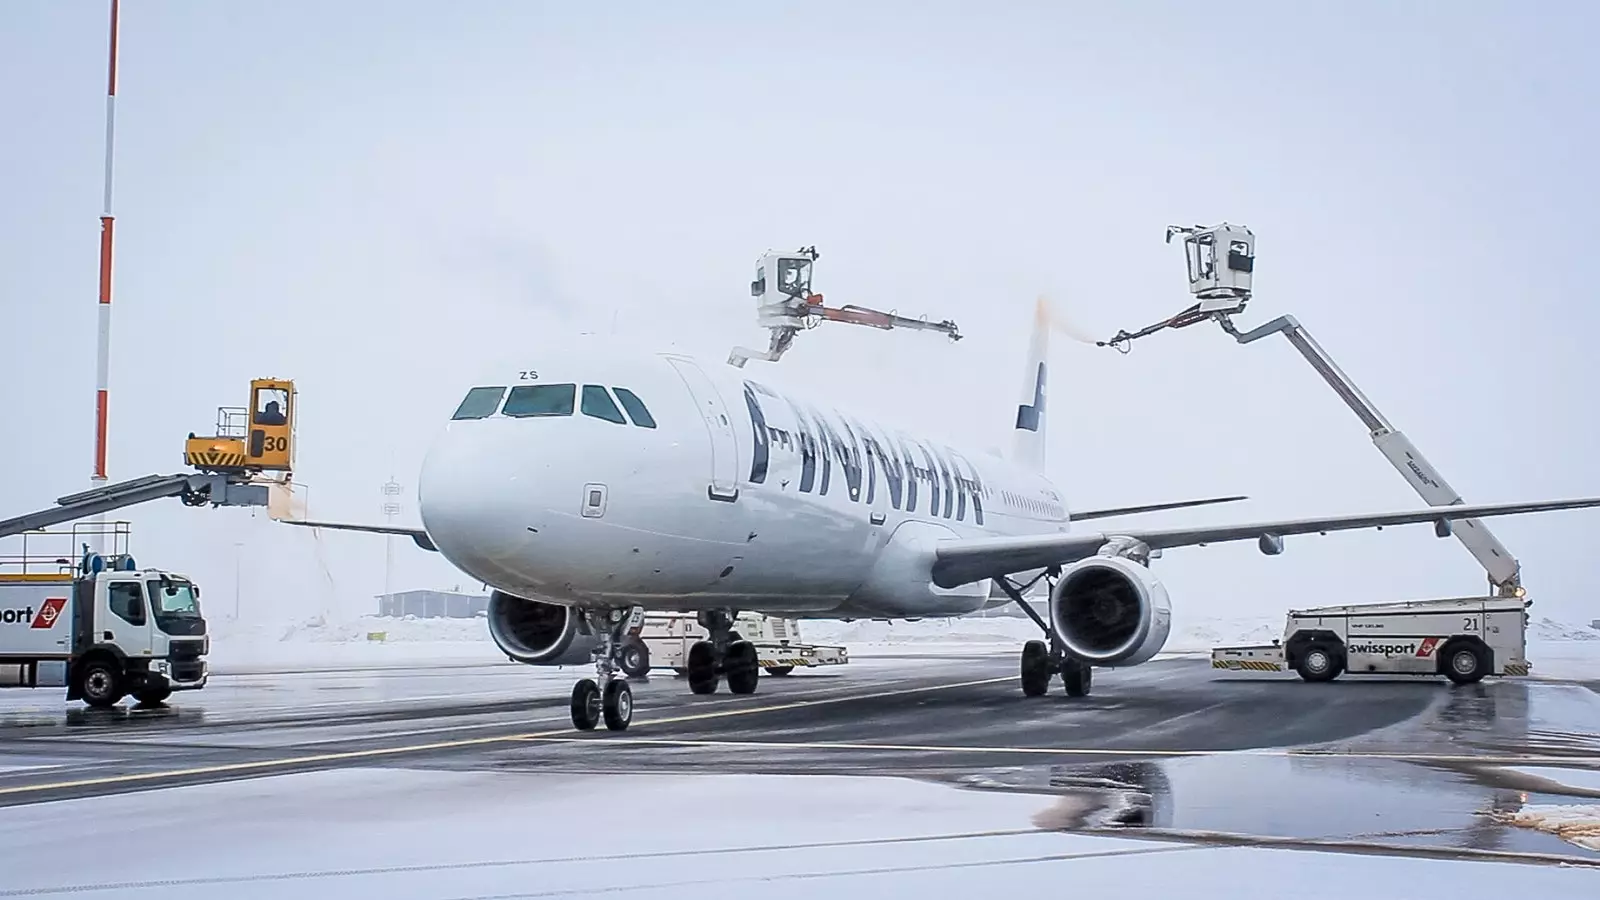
point(126, 599)
point(597, 403)
point(635, 407)
point(530, 400)
point(480, 402)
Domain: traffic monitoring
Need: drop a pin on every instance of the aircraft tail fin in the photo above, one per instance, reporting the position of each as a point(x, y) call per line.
point(1028, 436)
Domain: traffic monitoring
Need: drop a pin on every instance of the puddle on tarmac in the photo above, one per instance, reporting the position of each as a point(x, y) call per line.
point(1275, 795)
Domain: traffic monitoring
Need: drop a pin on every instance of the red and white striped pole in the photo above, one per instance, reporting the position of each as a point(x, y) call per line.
point(102, 384)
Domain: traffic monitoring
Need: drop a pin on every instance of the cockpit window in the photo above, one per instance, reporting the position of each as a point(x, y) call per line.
point(529, 400)
point(597, 403)
point(635, 408)
point(480, 402)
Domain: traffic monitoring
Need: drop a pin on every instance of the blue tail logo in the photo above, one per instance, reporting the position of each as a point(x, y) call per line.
point(1028, 416)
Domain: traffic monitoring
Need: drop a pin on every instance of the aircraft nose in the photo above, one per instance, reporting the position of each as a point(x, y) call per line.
point(474, 499)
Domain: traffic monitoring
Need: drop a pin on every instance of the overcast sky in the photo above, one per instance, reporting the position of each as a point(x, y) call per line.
point(377, 199)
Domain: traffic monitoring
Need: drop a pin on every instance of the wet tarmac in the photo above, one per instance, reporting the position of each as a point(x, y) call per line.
point(1170, 749)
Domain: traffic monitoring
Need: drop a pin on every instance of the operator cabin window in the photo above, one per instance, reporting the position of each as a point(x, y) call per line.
point(126, 601)
point(480, 403)
point(540, 400)
point(635, 407)
point(598, 404)
point(272, 406)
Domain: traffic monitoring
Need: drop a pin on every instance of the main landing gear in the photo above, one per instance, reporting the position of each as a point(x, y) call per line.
point(725, 654)
point(1043, 660)
point(607, 696)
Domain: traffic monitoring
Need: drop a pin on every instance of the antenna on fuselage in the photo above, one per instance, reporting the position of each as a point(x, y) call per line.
point(785, 306)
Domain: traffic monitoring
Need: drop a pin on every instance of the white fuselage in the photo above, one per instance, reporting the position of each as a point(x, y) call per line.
point(740, 497)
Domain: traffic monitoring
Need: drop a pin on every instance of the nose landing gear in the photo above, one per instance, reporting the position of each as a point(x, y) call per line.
point(607, 697)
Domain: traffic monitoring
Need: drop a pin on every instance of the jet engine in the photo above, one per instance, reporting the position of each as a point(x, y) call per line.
point(1110, 611)
point(537, 633)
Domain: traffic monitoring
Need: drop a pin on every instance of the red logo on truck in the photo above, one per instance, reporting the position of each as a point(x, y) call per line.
point(49, 613)
point(1428, 646)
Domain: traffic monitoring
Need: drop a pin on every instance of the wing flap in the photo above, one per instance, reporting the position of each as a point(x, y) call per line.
point(965, 561)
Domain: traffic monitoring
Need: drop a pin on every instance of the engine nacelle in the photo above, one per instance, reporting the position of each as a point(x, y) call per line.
point(537, 633)
point(1110, 611)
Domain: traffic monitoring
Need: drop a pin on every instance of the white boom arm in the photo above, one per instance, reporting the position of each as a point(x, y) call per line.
point(1505, 574)
point(1221, 260)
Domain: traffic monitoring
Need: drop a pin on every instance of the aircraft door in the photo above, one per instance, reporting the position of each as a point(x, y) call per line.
point(719, 424)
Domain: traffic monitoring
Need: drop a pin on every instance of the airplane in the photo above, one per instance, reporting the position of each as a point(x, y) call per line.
point(605, 481)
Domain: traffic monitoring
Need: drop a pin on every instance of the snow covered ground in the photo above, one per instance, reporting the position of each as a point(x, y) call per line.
point(1558, 650)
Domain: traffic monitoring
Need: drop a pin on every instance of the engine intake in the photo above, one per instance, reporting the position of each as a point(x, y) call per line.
point(536, 633)
point(1110, 611)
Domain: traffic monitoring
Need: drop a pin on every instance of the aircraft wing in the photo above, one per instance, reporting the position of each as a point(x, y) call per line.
point(1083, 515)
point(964, 561)
point(416, 534)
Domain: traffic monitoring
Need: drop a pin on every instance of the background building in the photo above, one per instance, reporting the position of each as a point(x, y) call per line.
point(432, 605)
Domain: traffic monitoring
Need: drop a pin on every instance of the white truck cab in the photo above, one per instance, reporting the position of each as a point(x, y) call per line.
point(121, 630)
point(1464, 639)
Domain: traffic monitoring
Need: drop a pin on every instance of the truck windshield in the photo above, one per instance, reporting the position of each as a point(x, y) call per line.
point(181, 602)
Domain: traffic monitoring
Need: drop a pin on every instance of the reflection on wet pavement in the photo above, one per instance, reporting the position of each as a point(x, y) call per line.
point(1351, 790)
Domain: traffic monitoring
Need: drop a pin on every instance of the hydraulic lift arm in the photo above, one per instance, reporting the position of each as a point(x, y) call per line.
point(1224, 290)
point(785, 306)
point(1505, 574)
point(194, 489)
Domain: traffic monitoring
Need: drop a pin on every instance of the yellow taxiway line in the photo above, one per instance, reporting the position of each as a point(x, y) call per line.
point(267, 765)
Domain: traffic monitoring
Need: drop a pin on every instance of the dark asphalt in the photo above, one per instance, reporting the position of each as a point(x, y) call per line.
point(938, 713)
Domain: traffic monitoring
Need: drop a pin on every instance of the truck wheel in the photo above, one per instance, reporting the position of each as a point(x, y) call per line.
point(152, 696)
point(1465, 663)
point(1319, 662)
point(780, 670)
point(100, 682)
point(635, 658)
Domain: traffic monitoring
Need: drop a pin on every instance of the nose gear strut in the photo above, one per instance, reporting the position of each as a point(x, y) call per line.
point(608, 695)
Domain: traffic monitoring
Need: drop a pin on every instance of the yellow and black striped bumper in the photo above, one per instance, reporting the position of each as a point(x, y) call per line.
point(1256, 665)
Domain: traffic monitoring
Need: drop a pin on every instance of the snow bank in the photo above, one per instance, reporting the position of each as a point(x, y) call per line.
point(1578, 825)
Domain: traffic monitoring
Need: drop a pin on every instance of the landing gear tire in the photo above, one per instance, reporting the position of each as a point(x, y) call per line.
point(1465, 663)
point(635, 658)
point(617, 705)
point(742, 664)
point(703, 668)
point(780, 670)
point(101, 684)
point(1078, 679)
point(586, 705)
point(1319, 662)
point(1035, 669)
